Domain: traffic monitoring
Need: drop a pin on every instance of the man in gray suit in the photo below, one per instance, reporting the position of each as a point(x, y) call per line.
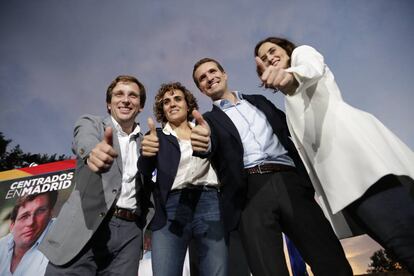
point(99, 230)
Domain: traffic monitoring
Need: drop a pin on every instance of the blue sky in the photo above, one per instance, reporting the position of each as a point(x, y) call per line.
point(58, 57)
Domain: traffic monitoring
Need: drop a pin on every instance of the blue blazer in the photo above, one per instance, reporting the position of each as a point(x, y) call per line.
point(166, 163)
point(227, 155)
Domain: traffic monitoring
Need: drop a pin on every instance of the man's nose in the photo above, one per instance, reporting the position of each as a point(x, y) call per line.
point(125, 99)
point(30, 220)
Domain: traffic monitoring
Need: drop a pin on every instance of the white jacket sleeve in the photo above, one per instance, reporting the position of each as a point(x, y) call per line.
point(307, 65)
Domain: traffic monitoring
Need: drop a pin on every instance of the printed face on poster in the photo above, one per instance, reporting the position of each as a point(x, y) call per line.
point(30, 200)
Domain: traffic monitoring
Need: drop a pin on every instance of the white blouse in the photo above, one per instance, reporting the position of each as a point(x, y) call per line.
point(191, 170)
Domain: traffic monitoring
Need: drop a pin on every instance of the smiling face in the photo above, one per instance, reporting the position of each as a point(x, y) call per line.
point(211, 80)
point(272, 54)
point(32, 218)
point(175, 107)
point(125, 103)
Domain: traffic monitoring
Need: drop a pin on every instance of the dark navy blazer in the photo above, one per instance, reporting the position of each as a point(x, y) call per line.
point(166, 162)
point(227, 155)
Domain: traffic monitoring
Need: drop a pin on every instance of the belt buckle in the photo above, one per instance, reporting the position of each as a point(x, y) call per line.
point(260, 169)
point(117, 211)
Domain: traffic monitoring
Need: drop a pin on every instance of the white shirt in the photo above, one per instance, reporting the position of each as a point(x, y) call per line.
point(260, 144)
point(191, 170)
point(129, 155)
point(33, 261)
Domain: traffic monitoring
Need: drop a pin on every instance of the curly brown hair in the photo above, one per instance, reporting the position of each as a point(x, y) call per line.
point(169, 87)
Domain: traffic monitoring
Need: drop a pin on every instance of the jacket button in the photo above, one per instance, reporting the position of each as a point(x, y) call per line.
point(114, 191)
point(102, 214)
point(81, 151)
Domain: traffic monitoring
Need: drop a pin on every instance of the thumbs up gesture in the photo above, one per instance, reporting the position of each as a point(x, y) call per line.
point(200, 134)
point(150, 144)
point(102, 155)
point(277, 78)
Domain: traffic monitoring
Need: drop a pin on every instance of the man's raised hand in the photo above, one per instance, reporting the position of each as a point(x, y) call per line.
point(102, 155)
point(200, 134)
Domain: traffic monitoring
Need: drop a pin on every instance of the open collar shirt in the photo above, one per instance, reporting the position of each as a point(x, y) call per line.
point(191, 170)
point(260, 144)
point(129, 155)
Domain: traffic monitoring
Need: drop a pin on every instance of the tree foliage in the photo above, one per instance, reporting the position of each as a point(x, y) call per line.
point(382, 261)
point(16, 158)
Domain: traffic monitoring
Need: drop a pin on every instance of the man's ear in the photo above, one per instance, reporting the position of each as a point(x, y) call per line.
point(11, 226)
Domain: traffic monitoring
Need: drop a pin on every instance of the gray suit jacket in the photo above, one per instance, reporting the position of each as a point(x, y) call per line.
point(92, 197)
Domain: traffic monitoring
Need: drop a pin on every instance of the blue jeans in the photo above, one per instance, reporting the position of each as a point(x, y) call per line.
point(191, 214)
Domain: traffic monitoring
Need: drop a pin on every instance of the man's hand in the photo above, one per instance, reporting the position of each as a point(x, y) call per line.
point(200, 134)
point(150, 145)
point(102, 156)
point(277, 78)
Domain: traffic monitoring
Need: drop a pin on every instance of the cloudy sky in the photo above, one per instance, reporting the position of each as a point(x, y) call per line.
point(58, 57)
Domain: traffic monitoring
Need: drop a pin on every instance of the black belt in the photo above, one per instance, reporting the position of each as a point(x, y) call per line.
point(268, 168)
point(124, 214)
point(196, 188)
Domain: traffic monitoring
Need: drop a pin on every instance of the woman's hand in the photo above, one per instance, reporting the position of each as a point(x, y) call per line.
point(277, 78)
point(150, 144)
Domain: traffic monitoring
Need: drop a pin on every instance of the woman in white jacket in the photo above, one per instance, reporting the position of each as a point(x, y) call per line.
point(355, 163)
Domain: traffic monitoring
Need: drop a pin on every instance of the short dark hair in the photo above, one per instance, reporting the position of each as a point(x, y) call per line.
point(287, 45)
point(169, 87)
point(202, 61)
point(21, 201)
point(126, 78)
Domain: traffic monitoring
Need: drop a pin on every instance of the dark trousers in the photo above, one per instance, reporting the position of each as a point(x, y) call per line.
point(238, 265)
point(114, 249)
point(284, 202)
point(237, 262)
point(386, 213)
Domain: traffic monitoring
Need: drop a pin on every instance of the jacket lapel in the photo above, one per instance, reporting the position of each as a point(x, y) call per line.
point(138, 139)
point(171, 139)
point(115, 142)
point(223, 121)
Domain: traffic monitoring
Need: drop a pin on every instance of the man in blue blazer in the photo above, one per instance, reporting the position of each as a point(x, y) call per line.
point(100, 228)
point(265, 188)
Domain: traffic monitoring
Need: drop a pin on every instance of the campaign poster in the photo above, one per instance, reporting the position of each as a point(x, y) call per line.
point(30, 200)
